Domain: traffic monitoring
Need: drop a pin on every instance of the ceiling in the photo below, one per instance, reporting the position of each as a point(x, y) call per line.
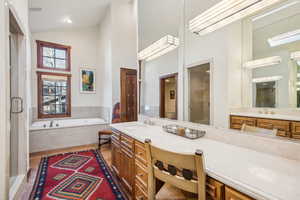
point(51, 16)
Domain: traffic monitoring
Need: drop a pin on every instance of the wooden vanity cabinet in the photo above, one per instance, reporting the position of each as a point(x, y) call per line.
point(215, 190)
point(115, 153)
point(141, 175)
point(236, 122)
point(127, 163)
point(122, 162)
point(130, 166)
point(283, 127)
point(231, 194)
point(296, 130)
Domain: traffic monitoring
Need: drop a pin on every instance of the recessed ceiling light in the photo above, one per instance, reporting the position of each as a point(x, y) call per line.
point(68, 20)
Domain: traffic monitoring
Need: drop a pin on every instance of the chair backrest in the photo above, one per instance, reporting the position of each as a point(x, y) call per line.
point(253, 129)
point(185, 171)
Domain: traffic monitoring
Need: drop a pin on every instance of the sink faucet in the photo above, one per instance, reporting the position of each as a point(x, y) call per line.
point(51, 124)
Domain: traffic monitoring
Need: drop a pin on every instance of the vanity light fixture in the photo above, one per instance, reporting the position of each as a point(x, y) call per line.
point(159, 48)
point(224, 13)
point(266, 79)
point(284, 38)
point(295, 55)
point(285, 6)
point(275, 60)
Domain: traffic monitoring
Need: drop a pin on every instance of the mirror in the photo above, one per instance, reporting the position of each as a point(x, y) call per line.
point(275, 36)
point(159, 23)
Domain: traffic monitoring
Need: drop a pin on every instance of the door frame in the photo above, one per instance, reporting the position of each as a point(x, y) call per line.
point(162, 96)
point(6, 191)
point(123, 102)
point(211, 92)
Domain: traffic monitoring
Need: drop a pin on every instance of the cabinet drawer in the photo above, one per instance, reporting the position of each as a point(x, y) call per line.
point(140, 152)
point(127, 142)
point(283, 127)
point(236, 122)
point(115, 142)
point(140, 194)
point(115, 136)
point(231, 194)
point(214, 189)
point(296, 130)
point(141, 174)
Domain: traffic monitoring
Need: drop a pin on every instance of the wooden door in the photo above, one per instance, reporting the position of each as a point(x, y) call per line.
point(168, 97)
point(128, 95)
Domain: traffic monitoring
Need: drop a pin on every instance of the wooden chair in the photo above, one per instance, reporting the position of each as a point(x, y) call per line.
point(184, 171)
point(106, 139)
point(253, 129)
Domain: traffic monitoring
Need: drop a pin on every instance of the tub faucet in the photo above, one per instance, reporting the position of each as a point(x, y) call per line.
point(51, 124)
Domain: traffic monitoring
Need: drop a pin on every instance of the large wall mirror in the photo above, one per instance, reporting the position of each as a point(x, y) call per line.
point(274, 70)
point(159, 23)
point(197, 63)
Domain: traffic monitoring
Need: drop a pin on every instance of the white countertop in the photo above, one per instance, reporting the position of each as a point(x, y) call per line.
point(261, 176)
point(267, 116)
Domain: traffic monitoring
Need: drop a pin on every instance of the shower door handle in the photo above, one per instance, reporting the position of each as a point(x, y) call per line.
point(16, 101)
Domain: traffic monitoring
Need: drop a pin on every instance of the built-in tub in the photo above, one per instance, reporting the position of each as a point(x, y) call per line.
point(64, 133)
point(66, 123)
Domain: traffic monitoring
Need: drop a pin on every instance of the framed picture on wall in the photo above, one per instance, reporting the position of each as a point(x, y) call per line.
point(172, 94)
point(87, 80)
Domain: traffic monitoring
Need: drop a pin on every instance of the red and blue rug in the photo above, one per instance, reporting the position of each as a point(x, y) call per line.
point(75, 176)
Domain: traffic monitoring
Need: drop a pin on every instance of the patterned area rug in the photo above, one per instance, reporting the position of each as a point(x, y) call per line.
point(75, 176)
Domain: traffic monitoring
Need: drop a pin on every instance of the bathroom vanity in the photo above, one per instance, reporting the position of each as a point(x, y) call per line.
point(233, 173)
point(287, 126)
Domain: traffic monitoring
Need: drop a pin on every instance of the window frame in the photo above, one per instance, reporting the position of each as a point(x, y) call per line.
point(41, 115)
point(41, 44)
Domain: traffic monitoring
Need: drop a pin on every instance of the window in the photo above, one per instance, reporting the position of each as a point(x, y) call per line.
point(54, 95)
point(53, 56)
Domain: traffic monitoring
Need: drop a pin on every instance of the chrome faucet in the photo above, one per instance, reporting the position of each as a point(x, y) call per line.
point(51, 124)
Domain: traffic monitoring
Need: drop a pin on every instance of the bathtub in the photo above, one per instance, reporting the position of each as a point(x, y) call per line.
point(65, 123)
point(64, 133)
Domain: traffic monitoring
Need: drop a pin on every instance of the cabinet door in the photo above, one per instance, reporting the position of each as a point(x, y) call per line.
point(296, 130)
point(214, 189)
point(231, 194)
point(115, 157)
point(127, 170)
point(236, 122)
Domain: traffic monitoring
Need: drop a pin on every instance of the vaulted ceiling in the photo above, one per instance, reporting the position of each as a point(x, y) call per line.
point(46, 15)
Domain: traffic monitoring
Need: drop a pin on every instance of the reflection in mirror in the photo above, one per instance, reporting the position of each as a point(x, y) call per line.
point(158, 52)
point(275, 35)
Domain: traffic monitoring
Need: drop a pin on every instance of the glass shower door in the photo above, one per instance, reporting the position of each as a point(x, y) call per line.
point(199, 94)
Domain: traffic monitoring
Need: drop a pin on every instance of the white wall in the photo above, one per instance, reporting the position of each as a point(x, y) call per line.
point(20, 10)
point(117, 43)
point(83, 54)
point(124, 40)
point(105, 60)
